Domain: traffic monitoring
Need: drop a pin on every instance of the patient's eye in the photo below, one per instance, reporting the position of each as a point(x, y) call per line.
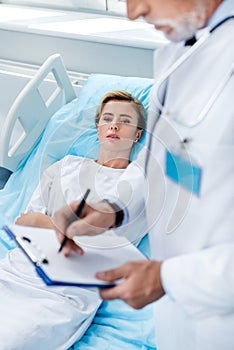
point(107, 119)
point(125, 121)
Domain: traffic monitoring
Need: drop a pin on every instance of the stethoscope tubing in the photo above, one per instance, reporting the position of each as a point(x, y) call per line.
point(194, 48)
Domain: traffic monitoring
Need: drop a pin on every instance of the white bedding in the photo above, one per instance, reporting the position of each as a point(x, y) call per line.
point(34, 316)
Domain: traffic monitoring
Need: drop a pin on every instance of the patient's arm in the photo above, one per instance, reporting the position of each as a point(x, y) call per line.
point(35, 220)
point(44, 221)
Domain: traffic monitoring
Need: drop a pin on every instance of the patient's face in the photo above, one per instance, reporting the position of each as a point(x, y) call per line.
point(117, 126)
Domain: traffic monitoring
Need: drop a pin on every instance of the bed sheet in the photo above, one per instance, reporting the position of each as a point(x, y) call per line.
point(117, 326)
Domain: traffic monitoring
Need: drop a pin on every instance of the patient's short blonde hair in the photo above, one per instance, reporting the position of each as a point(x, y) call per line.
point(121, 95)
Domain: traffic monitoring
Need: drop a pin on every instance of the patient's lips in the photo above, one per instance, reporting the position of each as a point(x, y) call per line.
point(113, 136)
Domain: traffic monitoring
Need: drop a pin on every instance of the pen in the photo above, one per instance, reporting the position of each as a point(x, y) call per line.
point(77, 212)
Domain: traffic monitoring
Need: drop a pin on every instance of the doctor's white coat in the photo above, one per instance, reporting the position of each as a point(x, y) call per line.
point(193, 235)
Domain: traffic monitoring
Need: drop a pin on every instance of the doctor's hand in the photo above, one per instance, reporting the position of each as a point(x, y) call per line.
point(92, 221)
point(141, 286)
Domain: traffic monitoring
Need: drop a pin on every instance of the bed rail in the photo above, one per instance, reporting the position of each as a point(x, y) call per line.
point(32, 112)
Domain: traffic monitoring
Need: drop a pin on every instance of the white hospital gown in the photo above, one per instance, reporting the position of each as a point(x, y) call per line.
point(32, 315)
point(68, 180)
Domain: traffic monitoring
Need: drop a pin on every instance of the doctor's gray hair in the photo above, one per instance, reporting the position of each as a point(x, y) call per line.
point(121, 95)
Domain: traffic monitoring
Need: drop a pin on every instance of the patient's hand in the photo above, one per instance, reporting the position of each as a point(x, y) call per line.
point(35, 220)
point(45, 221)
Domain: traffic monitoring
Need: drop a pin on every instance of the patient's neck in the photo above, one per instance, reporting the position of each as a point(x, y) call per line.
point(118, 161)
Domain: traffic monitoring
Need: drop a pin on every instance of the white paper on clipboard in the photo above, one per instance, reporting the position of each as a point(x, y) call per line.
point(103, 252)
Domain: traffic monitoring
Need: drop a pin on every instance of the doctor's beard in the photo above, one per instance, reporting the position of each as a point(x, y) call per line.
point(182, 27)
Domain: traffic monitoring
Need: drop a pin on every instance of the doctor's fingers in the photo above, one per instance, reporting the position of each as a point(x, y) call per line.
point(63, 218)
point(115, 274)
point(95, 219)
point(141, 286)
point(121, 291)
point(71, 246)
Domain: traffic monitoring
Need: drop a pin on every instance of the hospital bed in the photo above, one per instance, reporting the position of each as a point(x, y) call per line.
point(50, 129)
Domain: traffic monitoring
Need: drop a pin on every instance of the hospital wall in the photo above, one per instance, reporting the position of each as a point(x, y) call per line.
point(88, 43)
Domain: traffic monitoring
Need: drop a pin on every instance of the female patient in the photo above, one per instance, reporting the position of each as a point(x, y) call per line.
point(120, 121)
point(43, 317)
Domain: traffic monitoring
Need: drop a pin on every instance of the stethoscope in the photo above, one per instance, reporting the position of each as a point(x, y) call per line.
point(173, 68)
point(184, 58)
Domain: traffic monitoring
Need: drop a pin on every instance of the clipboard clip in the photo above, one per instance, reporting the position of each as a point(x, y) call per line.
point(32, 250)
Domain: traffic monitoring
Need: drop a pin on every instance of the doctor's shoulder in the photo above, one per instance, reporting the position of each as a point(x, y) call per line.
point(166, 55)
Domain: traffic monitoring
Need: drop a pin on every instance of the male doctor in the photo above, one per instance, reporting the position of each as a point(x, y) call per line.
point(190, 181)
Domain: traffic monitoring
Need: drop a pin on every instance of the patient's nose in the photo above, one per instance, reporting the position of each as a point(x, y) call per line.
point(114, 126)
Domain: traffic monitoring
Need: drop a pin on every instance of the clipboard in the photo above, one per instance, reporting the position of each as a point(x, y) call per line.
point(102, 252)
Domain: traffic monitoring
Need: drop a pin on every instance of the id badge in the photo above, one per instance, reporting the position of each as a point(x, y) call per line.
point(184, 171)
